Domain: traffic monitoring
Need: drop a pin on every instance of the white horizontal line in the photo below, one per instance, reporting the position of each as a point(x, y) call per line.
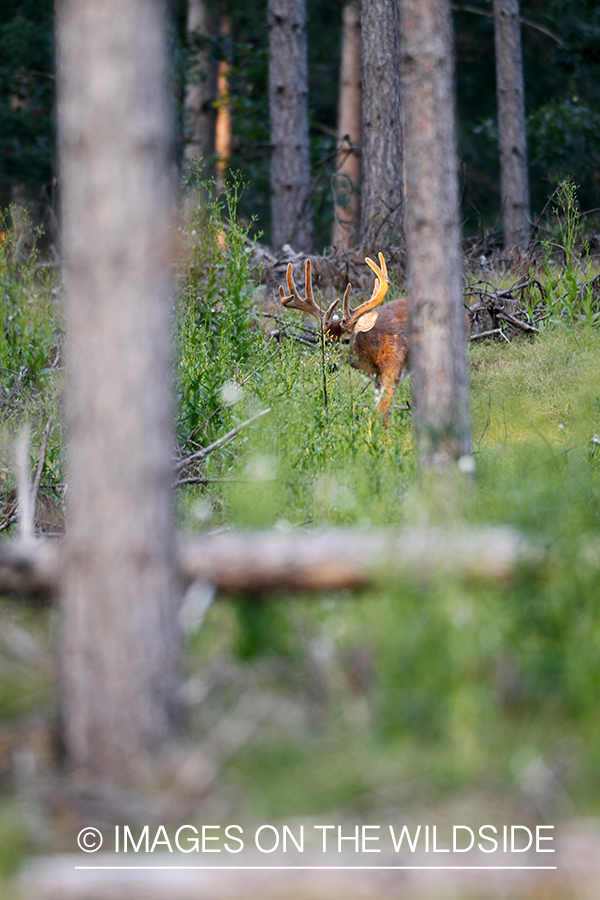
point(320, 868)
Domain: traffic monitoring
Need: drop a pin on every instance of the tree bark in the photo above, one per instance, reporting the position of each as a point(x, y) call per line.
point(223, 126)
point(201, 88)
point(437, 343)
point(382, 173)
point(119, 640)
point(347, 177)
point(288, 101)
point(514, 179)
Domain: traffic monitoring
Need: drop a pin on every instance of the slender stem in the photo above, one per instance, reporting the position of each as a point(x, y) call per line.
point(322, 333)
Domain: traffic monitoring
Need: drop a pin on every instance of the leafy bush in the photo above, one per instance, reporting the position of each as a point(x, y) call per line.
point(564, 139)
point(217, 334)
point(569, 296)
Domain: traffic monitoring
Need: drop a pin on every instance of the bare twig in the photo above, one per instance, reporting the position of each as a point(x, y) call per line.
point(488, 15)
point(484, 334)
point(201, 479)
point(40, 468)
point(206, 451)
point(517, 323)
point(10, 520)
point(241, 384)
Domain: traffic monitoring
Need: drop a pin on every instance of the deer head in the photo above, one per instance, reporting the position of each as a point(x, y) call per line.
point(361, 319)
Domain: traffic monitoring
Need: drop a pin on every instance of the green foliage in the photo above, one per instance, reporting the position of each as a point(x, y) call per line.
point(448, 685)
point(568, 296)
point(30, 332)
point(26, 94)
point(216, 329)
point(564, 142)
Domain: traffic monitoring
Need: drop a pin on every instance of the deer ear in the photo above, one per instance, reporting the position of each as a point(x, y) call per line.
point(366, 322)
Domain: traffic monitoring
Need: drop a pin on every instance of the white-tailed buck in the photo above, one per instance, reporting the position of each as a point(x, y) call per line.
point(378, 339)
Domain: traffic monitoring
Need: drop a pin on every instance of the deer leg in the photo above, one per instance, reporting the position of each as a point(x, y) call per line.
point(389, 383)
point(385, 400)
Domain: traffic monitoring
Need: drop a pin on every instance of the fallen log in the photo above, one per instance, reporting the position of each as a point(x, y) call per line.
point(257, 562)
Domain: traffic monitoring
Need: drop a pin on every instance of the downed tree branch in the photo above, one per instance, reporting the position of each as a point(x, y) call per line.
point(34, 567)
point(206, 451)
point(484, 334)
point(524, 326)
point(348, 558)
point(257, 562)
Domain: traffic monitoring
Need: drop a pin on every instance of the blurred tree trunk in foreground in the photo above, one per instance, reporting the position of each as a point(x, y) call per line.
point(347, 177)
point(119, 640)
point(514, 179)
point(437, 349)
point(288, 103)
point(201, 89)
point(382, 173)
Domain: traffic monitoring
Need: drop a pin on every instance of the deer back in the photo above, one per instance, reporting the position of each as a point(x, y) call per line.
point(384, 348)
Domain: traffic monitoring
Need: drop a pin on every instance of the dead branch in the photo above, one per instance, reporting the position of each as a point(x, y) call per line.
point(256, 562)
point(484, 334)
point(25, 511)
point(348, 558)
point(40, 467)
point(206, 451)
point(34, 567)
point(517, 323)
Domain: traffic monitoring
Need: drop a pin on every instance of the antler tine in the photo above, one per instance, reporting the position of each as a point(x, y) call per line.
point(330, 311)
point(380, 289)
point(308, 281)
point(294, 300)
point(290, 282)
point(346, 303)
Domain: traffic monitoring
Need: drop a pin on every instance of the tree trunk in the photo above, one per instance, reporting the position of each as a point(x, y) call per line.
point(382, 174)
point(347, 177)
point(514, 180)
point(201, 88)
point(223, 127)
point(437, 348)
point(119, 639)
point(288, 100)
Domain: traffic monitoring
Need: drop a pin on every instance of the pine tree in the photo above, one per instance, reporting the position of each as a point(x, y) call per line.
point(288, 102)
point(437, 347)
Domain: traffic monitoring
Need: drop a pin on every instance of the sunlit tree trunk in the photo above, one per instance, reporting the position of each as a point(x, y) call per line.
point(223, 128)
point(347, 177)
point(288, 102)
point(382, 175)
point(514, 179)
point(201, 89)
point(437, 348)
point(119, 638)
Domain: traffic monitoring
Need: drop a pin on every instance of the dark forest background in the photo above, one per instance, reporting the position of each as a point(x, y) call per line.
point(561, 46)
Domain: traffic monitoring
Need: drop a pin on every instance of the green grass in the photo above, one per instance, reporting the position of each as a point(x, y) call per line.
point(465, 685)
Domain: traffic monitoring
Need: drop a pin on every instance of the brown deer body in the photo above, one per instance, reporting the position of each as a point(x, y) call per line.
point(378, 340)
